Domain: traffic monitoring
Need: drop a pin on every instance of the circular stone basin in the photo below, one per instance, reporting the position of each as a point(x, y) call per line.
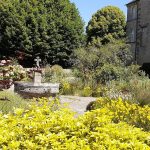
point(30, 89)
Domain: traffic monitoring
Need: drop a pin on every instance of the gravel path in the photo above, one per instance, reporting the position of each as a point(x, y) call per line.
point(77, 104)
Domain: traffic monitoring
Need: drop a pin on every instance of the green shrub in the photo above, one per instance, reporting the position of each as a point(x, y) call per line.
point(108, 73)
point(54, 74)
point(102, 64)
point(40, 128)
point(125, 111)
point(100, 91)
point(68, 83)
point(87, 91)
point(135, 89)
point(71, 88)
point(140, 90)
point(67, 88)
point(120, 85)
point(9, 101)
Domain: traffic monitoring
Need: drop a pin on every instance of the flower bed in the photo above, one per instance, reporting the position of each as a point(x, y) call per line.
point(5, 84)
point(10, 73)
point(40, 127)
point(125, 111)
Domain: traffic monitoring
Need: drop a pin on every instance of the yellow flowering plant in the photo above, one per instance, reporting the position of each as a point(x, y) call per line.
point(38, 127)
point(126, 111)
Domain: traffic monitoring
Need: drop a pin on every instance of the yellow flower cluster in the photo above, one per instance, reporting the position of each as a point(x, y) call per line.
point(67, 88)
point(87, 91)
point(38, 127)
point(126, 111)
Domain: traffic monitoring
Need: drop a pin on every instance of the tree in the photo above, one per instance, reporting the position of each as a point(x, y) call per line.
point(51, 29)
point(106, 25)
point(100, 65)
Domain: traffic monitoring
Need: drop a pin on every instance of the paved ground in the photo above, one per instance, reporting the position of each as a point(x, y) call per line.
point(77, 104)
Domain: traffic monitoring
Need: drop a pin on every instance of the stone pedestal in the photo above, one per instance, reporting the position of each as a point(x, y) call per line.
point(30, 90)
point(37, 78)
point(36, 88)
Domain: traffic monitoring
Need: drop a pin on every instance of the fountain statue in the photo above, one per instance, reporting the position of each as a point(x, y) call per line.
point(36, 88)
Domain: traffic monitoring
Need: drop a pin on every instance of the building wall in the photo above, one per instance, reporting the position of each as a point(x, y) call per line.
point(144, 32)
point(139, 25)
point(132, 27)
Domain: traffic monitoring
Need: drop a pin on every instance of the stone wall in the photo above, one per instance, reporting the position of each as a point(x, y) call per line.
point(138, 23)
point(132, 26)
point(144, 32)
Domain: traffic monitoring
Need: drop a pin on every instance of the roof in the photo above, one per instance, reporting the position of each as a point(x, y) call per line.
point(133, 1)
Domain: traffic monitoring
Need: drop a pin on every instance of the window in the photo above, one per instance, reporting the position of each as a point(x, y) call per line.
point(143, 36)
point(132, 35)
point(132, 12)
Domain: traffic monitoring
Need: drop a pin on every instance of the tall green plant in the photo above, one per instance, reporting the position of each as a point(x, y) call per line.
point(9, 101)
point(139, 89)
point(49, 28)
point(106, 25)
point(103, 64)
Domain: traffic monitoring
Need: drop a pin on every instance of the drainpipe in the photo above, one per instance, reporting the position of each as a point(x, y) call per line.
point(136, 46)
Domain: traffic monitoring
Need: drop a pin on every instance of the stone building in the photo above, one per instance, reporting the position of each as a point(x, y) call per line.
point(138, 30)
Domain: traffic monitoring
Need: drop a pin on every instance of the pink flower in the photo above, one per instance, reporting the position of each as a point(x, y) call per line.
point(1, 64)
point(7, 75)
point(1, 74)
point(6, 69)
point(11, 73)
point(3, 61)
point(8, 61)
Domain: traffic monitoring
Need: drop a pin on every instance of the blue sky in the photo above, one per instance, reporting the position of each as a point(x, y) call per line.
point(89, 7)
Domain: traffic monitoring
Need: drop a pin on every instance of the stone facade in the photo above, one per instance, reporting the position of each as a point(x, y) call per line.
point(138, 30)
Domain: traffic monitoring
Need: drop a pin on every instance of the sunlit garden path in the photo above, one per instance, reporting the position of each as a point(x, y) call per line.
point(77, 104)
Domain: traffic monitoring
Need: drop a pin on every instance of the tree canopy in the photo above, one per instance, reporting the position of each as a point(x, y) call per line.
point(106, 25)
point(51, 29)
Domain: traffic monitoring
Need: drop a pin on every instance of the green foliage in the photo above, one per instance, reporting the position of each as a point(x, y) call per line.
point(50, 28)
point(106, 25)
point(40, 128)
point(125, 111)
point(67, 88)
point(77, 88)
point(13, 72)
point(109, 72)
point(9, 101)
point(54, 74)
point(134, 86)
point(110, 63)
point(100, 65)
point(140, 91)
point(69, 85)
point(87, 91)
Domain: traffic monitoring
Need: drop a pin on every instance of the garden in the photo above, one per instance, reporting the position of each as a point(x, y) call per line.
point(98, 64)
point(118, 119)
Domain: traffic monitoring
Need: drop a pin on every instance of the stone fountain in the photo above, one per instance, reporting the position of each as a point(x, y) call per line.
point(36, 88)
